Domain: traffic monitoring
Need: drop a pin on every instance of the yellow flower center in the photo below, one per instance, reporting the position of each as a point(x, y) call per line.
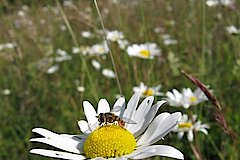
point(109, 141)
point(148, 92)
point(193, 99)
point(185, 125)
point(145, 53)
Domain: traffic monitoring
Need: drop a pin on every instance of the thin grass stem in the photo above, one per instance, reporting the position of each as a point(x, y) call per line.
point(110, 51)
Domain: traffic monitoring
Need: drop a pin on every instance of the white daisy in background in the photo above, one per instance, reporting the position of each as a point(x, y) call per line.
point(52, 69)
point(21, 13)
point(148, 91)
point(174, 98)
point(190, 125)
point(186, 98)
point(96, 64)
point(6, 92)
point(167, 40)
point(62, 55)
point(191, 98)
point(86, 34)
point(108, 73)
point(134, 141)
point(146, 51)
point(122, 44)
point(75, 50)
point(85, 50)
point(232, 30)
point(6, 46)
point(81, 89)
point(114, 36)
point(99, 49)
point(213, 3)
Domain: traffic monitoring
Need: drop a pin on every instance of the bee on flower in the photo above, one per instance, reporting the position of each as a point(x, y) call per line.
point(109, 140)
point(189, 125)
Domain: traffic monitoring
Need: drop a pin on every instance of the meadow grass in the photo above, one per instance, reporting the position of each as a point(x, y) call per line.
point(52, 101)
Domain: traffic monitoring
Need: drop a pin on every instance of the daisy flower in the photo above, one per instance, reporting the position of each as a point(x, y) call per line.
point(191, 98)
point(189, 126)
point(96, 64)
point(186, 98)
point(146, 51)
point(122, 43)
point(232, 30)
point(99, 49)
point(52, 69)
point(148, 91)
point(108, 73)
point(213, 3)
point(134, 141)
point(174, 98)
point(114, 36)
point(6, 92)
point(75, 50)
point(167, 40)
point(86, 34)
point(62, 55)
point(80, 88)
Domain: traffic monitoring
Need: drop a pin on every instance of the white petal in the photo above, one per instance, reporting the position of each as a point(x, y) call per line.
point(156, 150)
point(120, 102)
point(131, 106)
point(103, 106)
point(63, 143)
point(150, 130)
point(90, 114)
point(177, 94)
point(149, 117)
point(159, 127)
point(170, 95)
point(140, 114)
point(44, 132)
point(180, 135)
point(57, 154)
point(203, 130)
point(84, 127)
point(190, 135)
point(66, 142)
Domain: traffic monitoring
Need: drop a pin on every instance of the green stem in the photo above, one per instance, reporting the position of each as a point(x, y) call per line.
point(110, 51)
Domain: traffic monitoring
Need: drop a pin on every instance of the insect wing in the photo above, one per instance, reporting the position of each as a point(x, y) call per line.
point(129, 121)
point(116, 109)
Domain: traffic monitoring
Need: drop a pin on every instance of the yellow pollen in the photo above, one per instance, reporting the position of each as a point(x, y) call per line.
point(109, 141)
point(193, 99)
point(145, 53)
point(185, 125)
point(148, 92)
